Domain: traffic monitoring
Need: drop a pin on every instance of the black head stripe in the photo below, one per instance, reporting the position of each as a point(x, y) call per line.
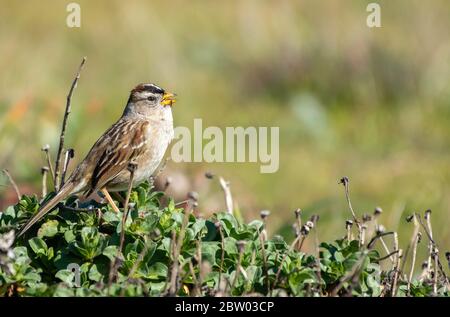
point(148, 87)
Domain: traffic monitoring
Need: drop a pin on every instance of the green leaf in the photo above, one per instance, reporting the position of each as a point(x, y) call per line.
point(94, 274)
point(157, 270)
point(38, 246)
point(110, 252)
point(339, 256)
point(69, 236)
point(65, 276)
point(48, 229)
point(209, 249)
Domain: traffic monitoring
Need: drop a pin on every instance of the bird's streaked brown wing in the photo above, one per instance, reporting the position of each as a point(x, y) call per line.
point(119, 150)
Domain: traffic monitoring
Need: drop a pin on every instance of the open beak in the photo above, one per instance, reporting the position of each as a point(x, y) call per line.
point(168, 99)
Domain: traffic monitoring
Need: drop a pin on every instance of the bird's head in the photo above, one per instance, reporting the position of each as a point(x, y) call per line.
point(149, 99)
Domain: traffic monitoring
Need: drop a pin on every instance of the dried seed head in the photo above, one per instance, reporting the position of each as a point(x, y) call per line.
point(209, 175)
point(193, 196)
point(366, 218)
point(305, 229)
point(380, 229)
point(344, 180)
point(427, 214)
point(424, 265)
point(71, 153)
point(419, 237)
point(241, 245)
point(409, 218)
point(298, 213)
point(348, 223)
point(264, 214)
point(314, 218)
point(45, 147)
point(377, 211)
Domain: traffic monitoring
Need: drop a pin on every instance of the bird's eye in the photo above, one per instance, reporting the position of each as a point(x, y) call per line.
point(151, 98)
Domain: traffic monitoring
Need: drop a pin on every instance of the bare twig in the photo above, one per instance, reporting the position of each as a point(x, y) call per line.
point(280, 266)
point(69, 155)
point(435, 273)
point(132, 168)
point(374, 239)
point(413, 261)
point(13, 183)
point(263, 254)
point(46, 150)
point(348, 276)
point(413, 237)
point(44, 171)
point(389, 255)
point(430, 242)
point(228, 198)
point(64, 124)
point(177, 249)
point(115, 264)
point(348, 227)
point(396, 267)
point(222, 256)
point(196, 291)
point(241, 247)
point(434, 248)
point(345, 181)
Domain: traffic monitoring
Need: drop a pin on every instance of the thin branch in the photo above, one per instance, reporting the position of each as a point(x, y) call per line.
point(228, 198)
point(348, 276)
point(389, 255)
point(222, 256)
point(70, 153)
point(64, 124)
point(46, 150)
point(345, 181)
point(13, 183)
point(263, 254)
point(177, 250)
point(280, 266)
point(413, 237)
point(374, 239)
point(413, 261)
point(44, 171)
point(396, 267)
point(132, 168)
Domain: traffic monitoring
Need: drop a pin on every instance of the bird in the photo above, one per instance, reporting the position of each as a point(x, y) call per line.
point(140, 137)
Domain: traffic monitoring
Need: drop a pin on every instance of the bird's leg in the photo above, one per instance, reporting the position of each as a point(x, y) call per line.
point(110, 200)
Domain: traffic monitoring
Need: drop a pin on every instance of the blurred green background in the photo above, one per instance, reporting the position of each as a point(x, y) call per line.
point(372, 104)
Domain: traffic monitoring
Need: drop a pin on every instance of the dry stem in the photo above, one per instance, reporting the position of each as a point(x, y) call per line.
point(64, 124)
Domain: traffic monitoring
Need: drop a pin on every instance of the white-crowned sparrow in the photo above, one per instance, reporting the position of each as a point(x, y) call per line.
point(141, 135)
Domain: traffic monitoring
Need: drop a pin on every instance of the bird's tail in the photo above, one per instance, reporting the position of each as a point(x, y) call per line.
point(65, 191)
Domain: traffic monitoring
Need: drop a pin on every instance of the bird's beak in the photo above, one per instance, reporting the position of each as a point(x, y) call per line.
point(168, 99)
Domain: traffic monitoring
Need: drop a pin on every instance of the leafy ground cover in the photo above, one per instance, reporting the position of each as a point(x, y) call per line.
point(169, 251)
